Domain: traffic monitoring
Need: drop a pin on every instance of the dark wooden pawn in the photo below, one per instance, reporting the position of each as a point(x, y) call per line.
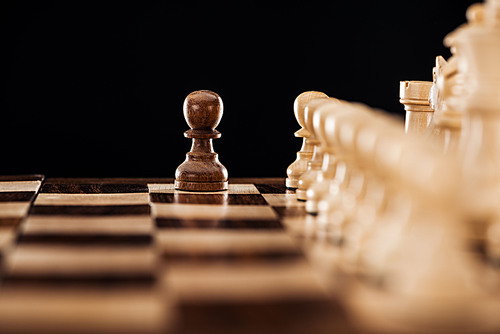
point(202, 171)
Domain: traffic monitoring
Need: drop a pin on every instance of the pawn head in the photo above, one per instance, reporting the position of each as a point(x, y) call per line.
point(301, 102)
point(311, 109)
point(320, 115)
point(203, 110)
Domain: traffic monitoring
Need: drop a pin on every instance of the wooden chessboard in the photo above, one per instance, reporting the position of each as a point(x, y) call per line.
point(136, 256)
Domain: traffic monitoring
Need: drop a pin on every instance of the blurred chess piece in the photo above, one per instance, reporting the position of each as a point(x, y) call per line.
point(493, 242)
point(432, 289)
point(313, 171)
point(416, 273)
point(326, 176)
point(374, 144)
point(414, 95)
point(299, 166)
point(410, 169)
point(446, 123)
point(476, 95)
point(335, 208)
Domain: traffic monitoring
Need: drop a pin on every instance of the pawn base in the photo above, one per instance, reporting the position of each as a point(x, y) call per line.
point(292, 183)
point(200, 186)
point(301, 194)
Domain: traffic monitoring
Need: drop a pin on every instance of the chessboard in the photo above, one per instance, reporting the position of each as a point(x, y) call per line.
point(136, 256)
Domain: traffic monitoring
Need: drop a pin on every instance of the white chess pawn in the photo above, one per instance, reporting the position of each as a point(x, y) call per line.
point(334, 208)
point(446, 123)
point(365, 194)
point(476, 96)
point(299, 166)
point(320, 188)
point(313, 171)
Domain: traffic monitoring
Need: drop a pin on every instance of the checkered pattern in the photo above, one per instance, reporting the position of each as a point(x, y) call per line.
point(86, 251)
point(137, 256)
point(16, 196)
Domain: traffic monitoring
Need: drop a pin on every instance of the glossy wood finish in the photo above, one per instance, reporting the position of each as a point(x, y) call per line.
point(92, 188)
point(217, 198)
point(202, 171)
point(219, 224)
point(167, 253)
point(246, 251)
point(99, 210)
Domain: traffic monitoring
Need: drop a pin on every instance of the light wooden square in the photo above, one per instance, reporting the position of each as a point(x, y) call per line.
point(202, 211)
point(195, 241)
point(7, 186)
point(7, 236)
point(84, 310)
point(81, 225)
point(92, 199)
point(289, 200)
point(244, 282)
point(14, 209)
point(37, 260)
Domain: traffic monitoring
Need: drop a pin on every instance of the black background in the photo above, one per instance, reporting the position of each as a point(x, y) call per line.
point(96, 88)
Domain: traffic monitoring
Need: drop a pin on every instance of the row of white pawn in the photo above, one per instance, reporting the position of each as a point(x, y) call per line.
point(392, 203)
